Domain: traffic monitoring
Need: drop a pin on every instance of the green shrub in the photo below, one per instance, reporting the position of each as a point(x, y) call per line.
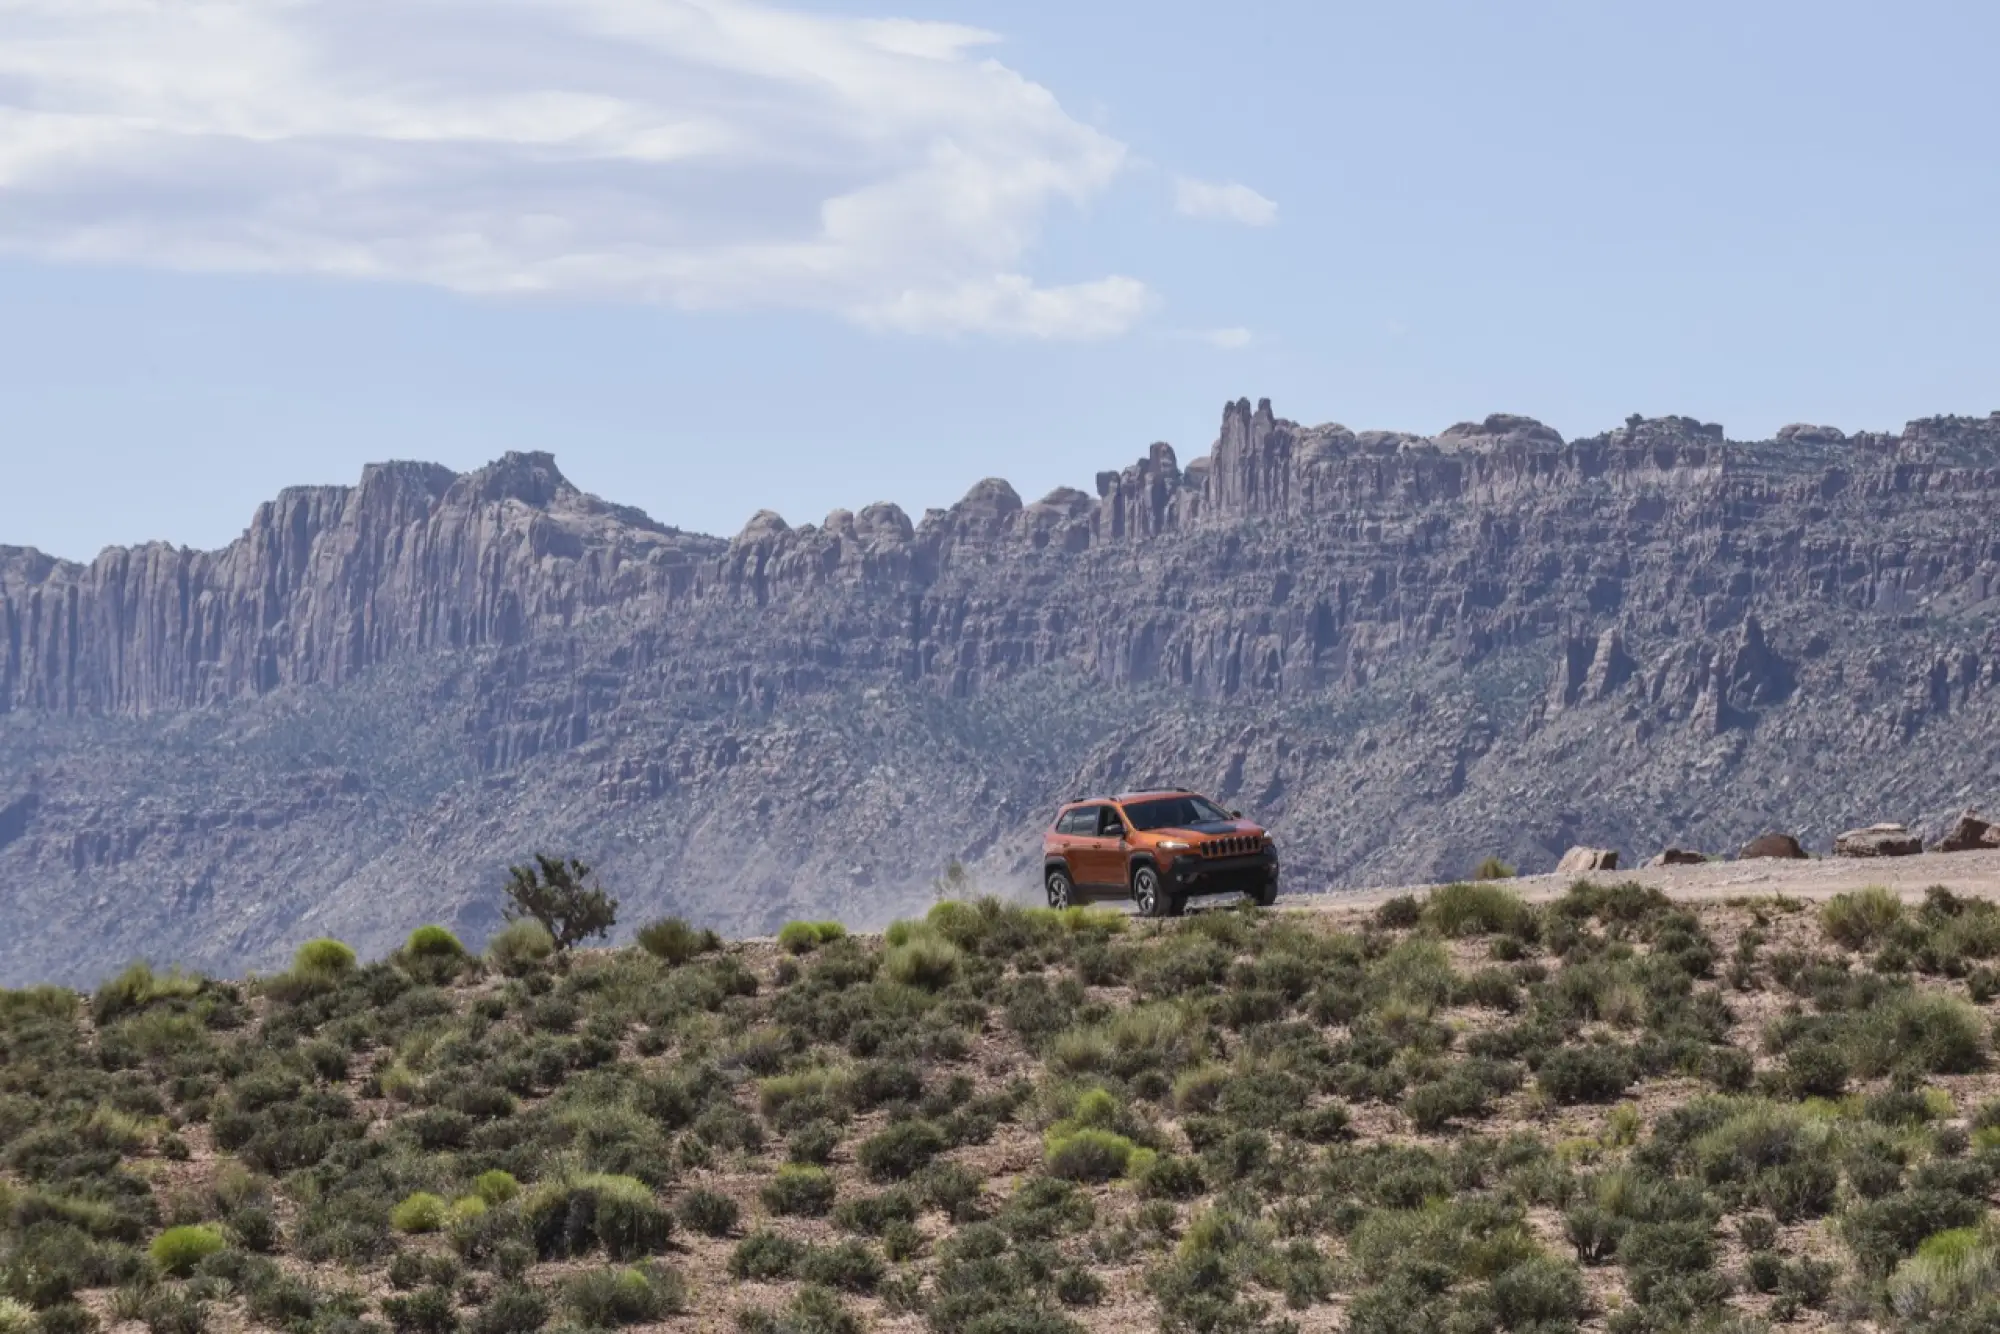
point(813, 1143)
point(1414, 977)
point(128, 993)
point(1328, 1123)
point(1088, 1154)
point(1982, 984)
point(47, 1262)
point(901, 1150)
point(1730, 1069)
point(66, 1318)
point(254, 1229)
point(1757, 1232)
point(433, 942)
point(1077, 1286)
point(173, 1311)
point(814, 1310)
point(1951, 1271)
point(1400, 912)
point(574, 1217)
point(1539, 1293)
point(1921, 1032)
point(1764, 1270)
point(1489, 988)
point(410, 1270)
point(178, 1250)
point(16, 1317)
point(608, 1298)
point(496, 1187)
point(1088, 921)
point(1862, 919)
point(874, 1214)
point(1591, 1073)
point(518, 947)
point(1476, 910)
point(925, 961)
point(428, 1311)
point(765, 1257)
point(515, 1308)
point(1654, 1253)
point(1433, 1106)
point(1881, 1232)
point(674, 941)
point(324, 958)
point(421, 1212)
point(707, 1212)
point(1199, 1089)
point(849, 1266)
point(1814, 1070)
point(805, 937)
point(799, 1191)
point(1163, 1176)
point(1774, 1157)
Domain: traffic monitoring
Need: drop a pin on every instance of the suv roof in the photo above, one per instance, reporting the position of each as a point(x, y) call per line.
point(1135, 796)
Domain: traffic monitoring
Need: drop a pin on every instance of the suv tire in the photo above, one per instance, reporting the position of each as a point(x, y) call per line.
point(1150, 895)
point(1266, 896)
point(1061, 892)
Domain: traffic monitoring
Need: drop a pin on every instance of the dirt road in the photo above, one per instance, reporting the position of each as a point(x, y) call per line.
point(1974, 873)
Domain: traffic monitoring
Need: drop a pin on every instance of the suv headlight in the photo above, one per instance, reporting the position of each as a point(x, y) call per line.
point(1174, 845)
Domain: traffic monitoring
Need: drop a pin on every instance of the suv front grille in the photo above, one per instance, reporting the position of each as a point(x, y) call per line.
point(1235, 846)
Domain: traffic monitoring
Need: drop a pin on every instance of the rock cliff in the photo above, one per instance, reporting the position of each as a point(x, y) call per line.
point(1405, 651)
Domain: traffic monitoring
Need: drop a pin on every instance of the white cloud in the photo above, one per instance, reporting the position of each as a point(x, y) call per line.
point(1011, 304)
point(1227, 202)
point(1229, 339)
point(698, 153)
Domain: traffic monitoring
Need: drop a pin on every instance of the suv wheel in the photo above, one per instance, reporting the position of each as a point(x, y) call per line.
point(1266, 896)
point(1151, 897)
point(1060, 893)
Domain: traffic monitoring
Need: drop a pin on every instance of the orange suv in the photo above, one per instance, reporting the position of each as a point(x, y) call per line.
point(1159, 849)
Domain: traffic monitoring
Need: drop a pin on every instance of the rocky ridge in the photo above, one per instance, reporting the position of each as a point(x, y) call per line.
point(1405, 652)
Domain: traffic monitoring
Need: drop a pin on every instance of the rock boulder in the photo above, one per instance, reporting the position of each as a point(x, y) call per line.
point(1878, 840)
point(1772, 845)
point(1969, 833)
point(1579, 860)
point(1677, 857)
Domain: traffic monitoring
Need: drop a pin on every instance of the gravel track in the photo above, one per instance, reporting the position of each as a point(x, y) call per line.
point(1972, 873)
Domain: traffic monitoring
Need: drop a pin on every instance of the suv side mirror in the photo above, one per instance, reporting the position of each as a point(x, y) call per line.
point(1236, 815)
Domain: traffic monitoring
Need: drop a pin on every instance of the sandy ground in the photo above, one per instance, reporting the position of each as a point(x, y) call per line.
point(1971, 873)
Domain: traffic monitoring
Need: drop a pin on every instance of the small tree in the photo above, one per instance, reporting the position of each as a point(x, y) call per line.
point(563, 896)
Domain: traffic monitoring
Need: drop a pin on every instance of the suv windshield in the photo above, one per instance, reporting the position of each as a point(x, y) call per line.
point(1173, 812)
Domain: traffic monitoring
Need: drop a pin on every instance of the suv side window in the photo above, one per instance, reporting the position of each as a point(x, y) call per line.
point(1110, 824)
point(1082, 820)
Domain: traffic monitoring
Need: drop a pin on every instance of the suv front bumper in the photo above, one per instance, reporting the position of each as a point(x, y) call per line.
point(1223, 875)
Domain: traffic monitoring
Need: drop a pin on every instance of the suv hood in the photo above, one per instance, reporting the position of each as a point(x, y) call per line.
point(1208, 827)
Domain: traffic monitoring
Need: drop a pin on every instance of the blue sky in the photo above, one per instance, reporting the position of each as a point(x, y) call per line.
point(719, 256)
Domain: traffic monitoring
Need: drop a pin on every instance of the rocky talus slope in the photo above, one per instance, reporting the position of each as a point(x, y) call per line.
point(1404, 652)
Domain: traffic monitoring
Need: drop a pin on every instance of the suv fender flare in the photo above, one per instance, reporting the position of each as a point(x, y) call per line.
point(1054, 861)
point(1137, 860)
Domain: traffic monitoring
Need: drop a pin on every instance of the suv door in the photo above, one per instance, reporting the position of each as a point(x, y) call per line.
point(1082, 847)
point(1107, 852)
point(1070, 839)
